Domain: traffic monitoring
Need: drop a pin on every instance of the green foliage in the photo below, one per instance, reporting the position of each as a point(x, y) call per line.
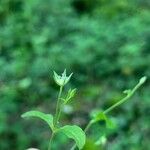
point(76, 133)
point(71, 93)
point(106, 44)
point(100, 116)
point(46, 117)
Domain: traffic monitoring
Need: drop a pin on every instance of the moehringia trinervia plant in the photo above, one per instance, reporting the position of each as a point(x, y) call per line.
point(73, 131)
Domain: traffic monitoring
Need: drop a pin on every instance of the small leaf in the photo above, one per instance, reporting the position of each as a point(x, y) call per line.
point(101, 141)
point(127, 92)
point(64, 73)
point(48, 118)
point(70, 95)
point(100, 116)
point(57, 78)
point(76, 133)
point(110, 124)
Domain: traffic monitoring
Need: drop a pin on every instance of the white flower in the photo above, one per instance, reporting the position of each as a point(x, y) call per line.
point(63, 79)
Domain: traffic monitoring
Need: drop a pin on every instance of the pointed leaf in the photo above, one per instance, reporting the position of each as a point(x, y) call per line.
point(64, 74)
point(70, 95)
point(101, 141)
point(48, 118)
point(76, 133)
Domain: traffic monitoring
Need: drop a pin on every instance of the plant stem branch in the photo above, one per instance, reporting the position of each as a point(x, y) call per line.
point(88, 126)
point(129, 95)
point(57, 114)
point(122, 100)
point(50, 142)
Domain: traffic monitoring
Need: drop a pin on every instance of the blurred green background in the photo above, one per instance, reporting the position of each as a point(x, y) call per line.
point(105, 43)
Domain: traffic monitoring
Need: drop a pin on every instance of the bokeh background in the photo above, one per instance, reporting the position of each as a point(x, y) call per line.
point(105, 43)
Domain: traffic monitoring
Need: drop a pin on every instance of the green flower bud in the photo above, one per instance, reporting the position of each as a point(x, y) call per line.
point(63, 79)
point(142, 80)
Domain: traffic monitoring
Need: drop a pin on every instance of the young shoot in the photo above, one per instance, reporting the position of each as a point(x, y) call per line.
point(73, 131)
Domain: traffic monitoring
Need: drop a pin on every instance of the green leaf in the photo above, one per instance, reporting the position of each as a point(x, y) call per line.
point(70, 95)
point(101, 141)
point(76, 133)
point(100, 116)
point(48, 118)
point(110, 124)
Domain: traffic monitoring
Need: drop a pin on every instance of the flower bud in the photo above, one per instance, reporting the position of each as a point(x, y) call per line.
point(63, 79)
point(142, 80)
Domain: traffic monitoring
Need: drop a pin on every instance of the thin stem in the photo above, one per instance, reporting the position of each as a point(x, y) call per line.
point(60, 110)
point(88, 126)
point(122, 100)
point(129, 95)
point(57, 114)
point(50, 142)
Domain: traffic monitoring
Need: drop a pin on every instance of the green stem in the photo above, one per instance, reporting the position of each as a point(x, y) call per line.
point(122, 100)
point(88, 126)
point(57, 114)
point(50, 142)
point(129, 95)
point(60, 110)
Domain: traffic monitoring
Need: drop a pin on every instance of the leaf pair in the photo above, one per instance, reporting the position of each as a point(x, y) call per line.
point(71, 131)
